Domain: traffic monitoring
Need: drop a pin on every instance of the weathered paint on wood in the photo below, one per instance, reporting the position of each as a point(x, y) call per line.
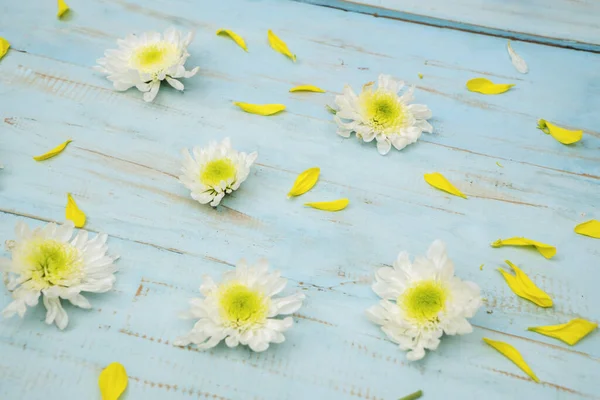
point(122, 169)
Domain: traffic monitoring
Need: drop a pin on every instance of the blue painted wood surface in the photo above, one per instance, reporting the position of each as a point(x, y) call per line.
point(122, 168)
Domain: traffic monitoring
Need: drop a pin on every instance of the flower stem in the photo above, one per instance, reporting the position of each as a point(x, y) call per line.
point(413, 396)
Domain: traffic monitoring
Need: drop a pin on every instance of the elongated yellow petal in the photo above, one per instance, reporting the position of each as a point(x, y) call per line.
point(62, 8)
point(307, 88)
point(234, 36)
point(563, 135)
point(513, 355)
point(260, 109)
point(485, 86)
point(305, 181)
point(55, 151)
point(4, 46)
point(570, 333)
point(546, 250)
point(523, 287)
point(590, 228)
point(73, 213)
point(113, 381)
point(280, 46)
point(438, 181)
point(335, 205)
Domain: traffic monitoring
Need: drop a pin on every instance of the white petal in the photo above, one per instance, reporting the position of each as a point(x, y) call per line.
point(383, 146)
point(420, 111)
point(149, 96)
point(175, 83)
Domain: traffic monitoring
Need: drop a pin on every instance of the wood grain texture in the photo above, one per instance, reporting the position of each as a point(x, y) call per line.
point(122, 168)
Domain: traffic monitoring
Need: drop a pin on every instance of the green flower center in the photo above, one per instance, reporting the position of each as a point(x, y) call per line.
point(53, 263)
point(382, 110)
point(424, 301)
point(241, 306)
point(216, 171)
point(154, 57)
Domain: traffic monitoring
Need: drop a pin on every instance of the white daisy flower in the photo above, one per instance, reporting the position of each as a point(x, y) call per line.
point(382, 115)
point(215, 171)
point(422, 301)
point(241, 309)
point(46, 262)
point(145, 61)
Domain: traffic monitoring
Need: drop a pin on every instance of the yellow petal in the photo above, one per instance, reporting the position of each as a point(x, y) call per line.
point(545, 249)
point(73, 213)
point(260, 109)
point(570, 333)
point(590, 228)
point(4, 46)
point(523, 287)
point(485, 86)
point(55, 151)
point(420, 76)
point(112, 381)
point(563, 135)
point(305, 181)
point(62, 8)
point(234, 36)
point(513, 355)
point(500, 165)
point(307, 88)
point(280, 46)
point(438, 181)
point(335, 205)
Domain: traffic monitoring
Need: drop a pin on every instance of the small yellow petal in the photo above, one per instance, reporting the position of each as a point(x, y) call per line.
point(590, 228)
point(4, 46)
point(55, 151)
point(546, 250)
point(280, 46)
point(438, 181)
point(307, 88)
point(234, 36)
point(485, 86)
point(570, 333)
point(62, 8)
point(513, 355)
point(420, 76)
point(523, 287)
point(260, 109)
point(481, 267)
point(73, 213)
point(305, 181)
point(113, 381)
point(335, 205)
point(563, 135)
point(500, 165)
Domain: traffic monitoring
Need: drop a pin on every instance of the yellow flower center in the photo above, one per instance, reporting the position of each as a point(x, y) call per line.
point(52, 263)
point(241, 306)
point(383, 110)
point(424, 301)
point(216, 171)
point(155, 57)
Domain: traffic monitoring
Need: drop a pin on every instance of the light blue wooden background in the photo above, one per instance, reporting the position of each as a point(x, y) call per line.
point(122, 168)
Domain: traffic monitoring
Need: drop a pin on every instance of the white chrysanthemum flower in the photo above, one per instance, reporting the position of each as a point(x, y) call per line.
point(241, 309)
point(382, 115)
point(46, 262)
point(215, 171)
point(422, 301)
point(145, 61)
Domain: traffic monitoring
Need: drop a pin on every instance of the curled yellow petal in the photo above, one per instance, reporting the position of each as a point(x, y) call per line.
point(260, 109)
point(523, 287)
point(546, 250)
point(563, 135)
point(4, 46)
point(485, 86)
point(335, 205)
point(280, 46)
point(62, 8)
point(235, 37)
point(305, 181)
point(307, 88)
point(570, 333)
point(113, 381)
point(438, 181)
point(55, 151)
point(73, 213)
point(590, 228)
point(513, 355)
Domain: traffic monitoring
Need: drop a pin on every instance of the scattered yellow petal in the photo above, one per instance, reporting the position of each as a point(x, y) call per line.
point(280, 46)
point(55, 151)
point(330, 109)
point(438, 181)
point(335, 205)
point(420, 76)
point(62, 8)
point(260, 109)
point(307, 88)
point(234, 36)
point(500, 165)
point(563, 135)
point(513, 355)
point(545, 249)
point(523, 287)
point(305, 181)
point(570, 333)
point(481, 267)
point(485, 86)
point(73, 213)
point(590, 228)
point(4, 46)
point(112, 381)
